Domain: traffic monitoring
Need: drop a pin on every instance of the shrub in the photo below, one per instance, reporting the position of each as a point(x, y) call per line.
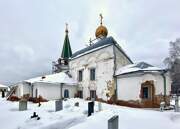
point(37, 100)
point(133, 104)
point(13, 98)
point(110, 101)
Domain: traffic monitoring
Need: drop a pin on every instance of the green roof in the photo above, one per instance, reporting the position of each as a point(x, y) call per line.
point(66, 52)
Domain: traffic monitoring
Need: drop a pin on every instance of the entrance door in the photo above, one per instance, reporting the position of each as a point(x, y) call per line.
point(145, 93)
point(66, 93)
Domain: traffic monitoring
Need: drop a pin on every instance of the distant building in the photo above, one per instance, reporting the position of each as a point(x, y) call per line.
point(53, 86)
point(3, 90)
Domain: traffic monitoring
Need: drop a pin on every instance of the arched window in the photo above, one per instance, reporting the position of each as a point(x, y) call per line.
point(66, 93)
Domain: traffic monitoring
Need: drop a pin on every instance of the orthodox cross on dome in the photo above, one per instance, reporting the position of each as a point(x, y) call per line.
point(66, 28)
point(101, 17)
point(101, 31)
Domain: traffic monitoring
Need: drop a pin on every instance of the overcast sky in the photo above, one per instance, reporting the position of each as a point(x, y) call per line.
point(32, 31)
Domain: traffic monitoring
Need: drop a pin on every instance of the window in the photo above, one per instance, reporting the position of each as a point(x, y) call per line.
point(92, 74)
point(80, 75)
point(66, 93)
point(80, 94)
point(92, 94)
point(145, 94)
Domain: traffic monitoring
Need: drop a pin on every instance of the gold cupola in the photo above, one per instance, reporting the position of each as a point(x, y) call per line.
point(101, 31)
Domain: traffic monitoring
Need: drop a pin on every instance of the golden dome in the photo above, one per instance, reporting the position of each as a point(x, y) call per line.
point(101, 31)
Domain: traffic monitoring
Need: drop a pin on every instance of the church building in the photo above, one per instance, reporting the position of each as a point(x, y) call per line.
point(101, 71)
point(98, 70)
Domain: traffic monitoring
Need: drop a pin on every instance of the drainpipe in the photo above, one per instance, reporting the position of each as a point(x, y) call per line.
point(61, 85)
point(32, 87)
point(114, 76)
point(164, 81)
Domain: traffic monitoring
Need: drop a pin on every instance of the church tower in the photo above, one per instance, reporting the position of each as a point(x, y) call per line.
point(66, 52)
point(62, 64)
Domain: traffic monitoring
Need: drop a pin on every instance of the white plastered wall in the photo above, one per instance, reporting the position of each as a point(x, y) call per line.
point(129, 87)
point(47, 90)
point(53, 91)
point(103, 61)
point(22, 89)
point(121, 59)
point(72, 90)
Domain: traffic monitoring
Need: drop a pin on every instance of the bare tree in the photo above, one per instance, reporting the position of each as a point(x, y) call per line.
point(173, 64)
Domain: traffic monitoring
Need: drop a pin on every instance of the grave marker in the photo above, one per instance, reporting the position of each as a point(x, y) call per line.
point(22, 105)
point(76, 104)
point(34, 115)
point(3, 93)
point(162, 105)
point(99, 106)
point(90, 108)
point(59, 105)
point(113, 122)
point(176, 103)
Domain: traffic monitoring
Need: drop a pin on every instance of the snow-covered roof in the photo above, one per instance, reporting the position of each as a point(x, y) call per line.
point(137, 67)
point(3, 86)
point(98, 45)
point(54, 78)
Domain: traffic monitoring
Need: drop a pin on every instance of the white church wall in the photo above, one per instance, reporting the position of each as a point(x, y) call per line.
point(53, 91)
point(103, 61)
point(19, 90)
point(22, 88)
point(121, 60)
point(105, 74)
point(129, 87)
point(26, 89)
point(72, 90)
point(47, 90)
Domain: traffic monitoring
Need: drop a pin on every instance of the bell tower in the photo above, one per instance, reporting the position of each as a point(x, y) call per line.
point(62, 64)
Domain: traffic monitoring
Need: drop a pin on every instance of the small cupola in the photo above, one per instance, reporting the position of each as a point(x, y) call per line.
point(101, 31)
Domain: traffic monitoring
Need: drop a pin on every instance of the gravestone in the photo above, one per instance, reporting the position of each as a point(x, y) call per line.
point(35, 116)
point(22, 105)
point(99, 106)
point(59, 105)
point(76, 104)
point(90, 108)
point(162, 105)
point(3, 93)
point(176, 103)
point(113, 122)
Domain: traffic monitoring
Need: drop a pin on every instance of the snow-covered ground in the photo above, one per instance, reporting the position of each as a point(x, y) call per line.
point(72, 117)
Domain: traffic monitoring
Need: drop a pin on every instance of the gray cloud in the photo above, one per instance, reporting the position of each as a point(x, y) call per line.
point(32, 32)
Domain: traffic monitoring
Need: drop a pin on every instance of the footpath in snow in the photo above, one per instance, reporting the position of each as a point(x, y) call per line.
point(72, 117)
